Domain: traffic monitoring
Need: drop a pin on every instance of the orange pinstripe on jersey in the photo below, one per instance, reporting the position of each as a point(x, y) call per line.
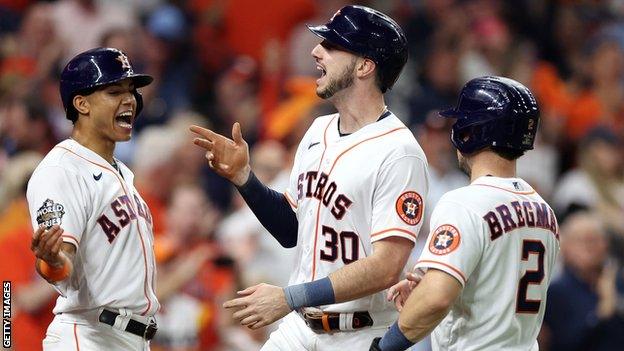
point(76, 337)
point(318, 208)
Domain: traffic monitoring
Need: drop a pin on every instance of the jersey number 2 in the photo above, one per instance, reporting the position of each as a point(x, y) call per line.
point(523, 304)
point(347, 240)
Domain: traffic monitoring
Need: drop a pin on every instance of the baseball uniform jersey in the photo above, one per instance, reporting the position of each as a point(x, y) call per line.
point(500, 240)
point(350, 191)
point(103, 215)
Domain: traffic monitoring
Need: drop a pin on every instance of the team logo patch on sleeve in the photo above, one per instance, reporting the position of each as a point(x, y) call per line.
point(409, 207)
point(445, 240)
point(50, 213)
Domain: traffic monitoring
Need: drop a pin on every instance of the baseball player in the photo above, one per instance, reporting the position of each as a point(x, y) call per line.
point(493, 244)
point(354, 204)
point(93, 238)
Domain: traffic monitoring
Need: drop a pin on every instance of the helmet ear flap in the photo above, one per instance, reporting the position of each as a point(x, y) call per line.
point(139, 101)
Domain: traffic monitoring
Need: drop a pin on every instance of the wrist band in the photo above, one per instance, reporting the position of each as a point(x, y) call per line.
point(54, 274)
point(316, 293)
point(394, 340)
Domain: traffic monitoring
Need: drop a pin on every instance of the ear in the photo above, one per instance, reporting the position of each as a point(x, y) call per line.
point(81, 104)
point(365, 68)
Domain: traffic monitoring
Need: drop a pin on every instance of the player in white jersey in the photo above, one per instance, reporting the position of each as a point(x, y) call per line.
point(93, 237)
point(355, 200)
point(493, 244)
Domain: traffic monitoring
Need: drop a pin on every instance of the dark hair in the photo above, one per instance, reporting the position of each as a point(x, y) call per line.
point(507, 153)
point(72, 113)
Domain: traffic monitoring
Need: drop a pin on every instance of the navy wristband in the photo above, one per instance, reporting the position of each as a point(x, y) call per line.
point(394, 340)
point(316, 293)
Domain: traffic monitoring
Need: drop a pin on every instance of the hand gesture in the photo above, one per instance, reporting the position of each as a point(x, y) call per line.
point(400, 291)
point(229, 158)
point(261, 305)
point(46, 245)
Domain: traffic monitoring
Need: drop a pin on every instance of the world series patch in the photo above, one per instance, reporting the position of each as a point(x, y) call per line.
point(409, 207)
point(445, 239)
point(50, 213)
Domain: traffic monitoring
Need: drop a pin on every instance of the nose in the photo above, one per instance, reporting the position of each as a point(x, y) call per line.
point(129, 98)
point(317, 51)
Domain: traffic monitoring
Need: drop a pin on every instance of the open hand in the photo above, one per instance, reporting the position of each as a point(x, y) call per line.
point(400, 291)
point(260, 305)
point(229, 158)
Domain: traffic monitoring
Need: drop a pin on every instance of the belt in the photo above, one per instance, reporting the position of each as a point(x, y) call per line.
point(327, 322)
point(146, 331)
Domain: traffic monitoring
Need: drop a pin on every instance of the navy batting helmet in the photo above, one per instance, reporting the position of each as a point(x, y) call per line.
point(95, 68)
point(494, 111)
point(371, 34)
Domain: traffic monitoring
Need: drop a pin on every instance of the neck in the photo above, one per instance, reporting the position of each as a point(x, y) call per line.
point(488, 163)
point(358, 107)
point(93, 142)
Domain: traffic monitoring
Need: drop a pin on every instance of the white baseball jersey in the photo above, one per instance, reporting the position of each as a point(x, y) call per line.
point(104, 216)
point(350, 191)
point(500, 240)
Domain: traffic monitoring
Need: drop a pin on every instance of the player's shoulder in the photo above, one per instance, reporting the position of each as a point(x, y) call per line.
point(401, 141)
point(321, 122)
point(459, 195)
point(62, 158)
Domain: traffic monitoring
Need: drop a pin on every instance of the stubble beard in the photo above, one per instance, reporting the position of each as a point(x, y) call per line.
point(342, 82)
point(463, 165)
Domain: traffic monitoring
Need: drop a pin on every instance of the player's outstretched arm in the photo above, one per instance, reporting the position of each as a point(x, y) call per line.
point(54, 257)
point(229, 158)
point(427, 305)
point(264, 304)
point(375, 273)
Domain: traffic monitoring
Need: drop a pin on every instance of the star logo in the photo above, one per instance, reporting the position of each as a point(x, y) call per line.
point(445, 239)
point(125, 63)
point(409, 207)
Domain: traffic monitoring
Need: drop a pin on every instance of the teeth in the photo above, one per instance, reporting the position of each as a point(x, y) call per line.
point(124, 124)
point(322, 70)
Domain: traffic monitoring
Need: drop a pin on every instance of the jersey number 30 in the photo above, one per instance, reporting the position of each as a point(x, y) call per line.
point(523, 304)
point(348, 242)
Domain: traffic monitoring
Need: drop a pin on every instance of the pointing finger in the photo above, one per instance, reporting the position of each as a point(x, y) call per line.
point(206, 133)
point(240, 302)
point(204, 143)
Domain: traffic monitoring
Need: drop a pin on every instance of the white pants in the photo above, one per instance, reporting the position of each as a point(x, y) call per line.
point(71, 334)
point(294, 335)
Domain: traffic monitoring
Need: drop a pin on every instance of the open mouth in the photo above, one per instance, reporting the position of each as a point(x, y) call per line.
point(323, 71)
point(124, 119)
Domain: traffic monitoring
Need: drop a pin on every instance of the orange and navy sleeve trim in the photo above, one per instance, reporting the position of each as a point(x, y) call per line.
point(393, 232)
point(68, 238)
point(448, 268)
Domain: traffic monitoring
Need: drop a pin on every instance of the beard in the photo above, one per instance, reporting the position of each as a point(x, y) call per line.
point(463, 164)
point(343, 81)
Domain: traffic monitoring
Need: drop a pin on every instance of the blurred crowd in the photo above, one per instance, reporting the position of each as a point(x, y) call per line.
point(220, 61)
